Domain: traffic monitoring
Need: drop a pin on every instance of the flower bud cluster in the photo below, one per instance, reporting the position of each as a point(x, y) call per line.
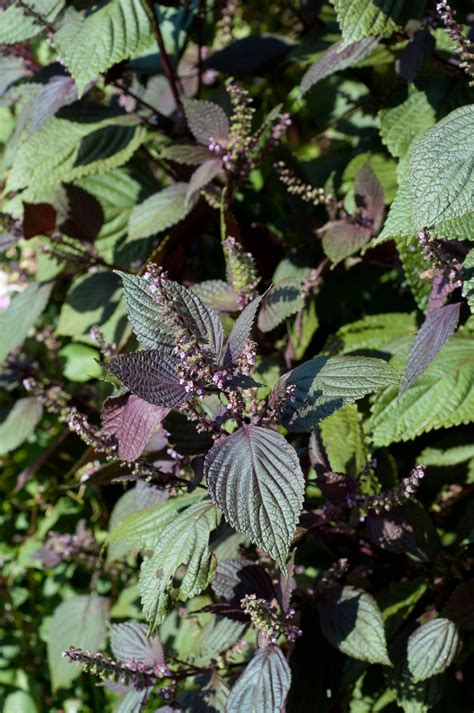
point(462, 46)
point(393, 497)
point(267, 620)
point(107, 349)
point(297, 187)
point(438, 253)
point(241, 271)
point(65, 547)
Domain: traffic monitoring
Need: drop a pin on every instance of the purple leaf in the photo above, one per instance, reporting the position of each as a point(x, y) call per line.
point(441, 288)
point(38, 218)
point(152, 375)
point(129, 641)
point(342, 239)
point(80, 214)
point(392, 531)
point(369, 196)
point(237, 577)
point(241, 331)
point(189, 154)
point(411, 59)
point(207, 121)
point(130, 421)
point(249, 55)
point(336, 59)
point(433, 333)
point(201, 177)
point(59, 91)
point(460, 606)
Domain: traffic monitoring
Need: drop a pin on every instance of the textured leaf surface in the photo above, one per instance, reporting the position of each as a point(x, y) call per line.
point(359, 18)
point(342, 239)
point(129, 641)
point(432, 648)
point(16, 25)
point(254, 476)
point(144, 313)
point(206, 121)
point(90, 44)
point(337, 58)
point(377, 332)
point(18, 422)
point(442, 397)
point(217, 294)
point(59, 91)
point(442, 169)
point(81, 622)
point(190, 154)
point(468, 276)
point(324, 384)
point(434, 332)
point(400, 125)
point(21, 315)
point(151, 375)
point(130, 421)
point(263, 686)
point(241, 331)
point(344, 441)
point(185, 541)
point(281, 301)
point(159, 212)
point(352, 622)
point(201, 177)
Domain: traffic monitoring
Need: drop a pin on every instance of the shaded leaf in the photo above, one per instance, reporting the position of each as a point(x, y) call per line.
point(279, 302)
point(129, 641)
point(217, 294)
point(391, 530)
point(432, 648)
point(342, 239)
point(201, 177)
point(237, 577)
point(337, 58)
point(190, 154)
point(263, 686)
point(18, 422)
point(419, 49)
point(460, 606)
point(369, 196)
point(21, 315)
point(38, 218)
point(130, 421)
point(206, 121)
point(184, 437)
point(249, 55)
point(351, 620)
point(80, 214)
point(434, 332)
point(240, 332)
point(150, 374)
point(159, 212)
point(254, 476)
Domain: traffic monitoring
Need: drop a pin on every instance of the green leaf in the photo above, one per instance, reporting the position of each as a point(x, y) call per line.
point(144, 313)
point(263, 686)
point(80, 362)
point(91, 43)
point(281, 301)
point(335, 59)
point(402, 124)
point(385, 333)
point(255, 477)
point(82, 622)
point(21, 315)
point(18, 422)
point(442, 170)
point(159, 212)
point(468, 277)
point(351, 620)
point(217, 294)
point(17, 25)
point(93, 299)
point(360, 18)
point(442, 397)
point(183, 542)
point(432, 648)
point(324, 384)
point(344, 440)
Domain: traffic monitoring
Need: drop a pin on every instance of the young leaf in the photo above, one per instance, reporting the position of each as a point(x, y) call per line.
point(281, 301)
point(91, 43)
point(337, 58)
point(442, 397)
point(434, 332)
point(18, 422)
point(324, 384)
point(79, 621)
point(254, 476)
point(206, 121)
point(130, 421)
point(201, 177)
point(190, 154)
point(351, 620)
point(185, 541)
point(432, 648)
point(159, 212)
point(151, 375)
point(263, 686)
point(144, 313)
point(441, 170)
point(21, 315)
point(241, 331)
point(129, 641)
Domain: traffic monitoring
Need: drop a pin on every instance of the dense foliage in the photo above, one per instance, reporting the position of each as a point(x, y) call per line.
point(237, 348)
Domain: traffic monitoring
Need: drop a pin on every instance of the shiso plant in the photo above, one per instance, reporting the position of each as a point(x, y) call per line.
point(237, 356)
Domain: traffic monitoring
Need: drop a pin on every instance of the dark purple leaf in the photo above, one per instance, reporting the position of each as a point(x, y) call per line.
point(202, 176)
point(59, 91)
point(241, 331)
point(441, 288)
point(237, 577)
point(38, 218)
point(250, 55)
point(152, 375)
point(419, 49)
point(80, 214)
point(129, 641)
point(207, 121)
point(336, 59)
point(369, 196)
point(460, 606)
point(433, 334)
point(391, 531)
point(342, 239)
point(130, 421)
point(184, 437)
point(190, 154)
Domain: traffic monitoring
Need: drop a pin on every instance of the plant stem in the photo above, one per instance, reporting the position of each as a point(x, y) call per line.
point(167, 69)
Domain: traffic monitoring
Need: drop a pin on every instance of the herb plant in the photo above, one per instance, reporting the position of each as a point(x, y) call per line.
point(237, 348)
